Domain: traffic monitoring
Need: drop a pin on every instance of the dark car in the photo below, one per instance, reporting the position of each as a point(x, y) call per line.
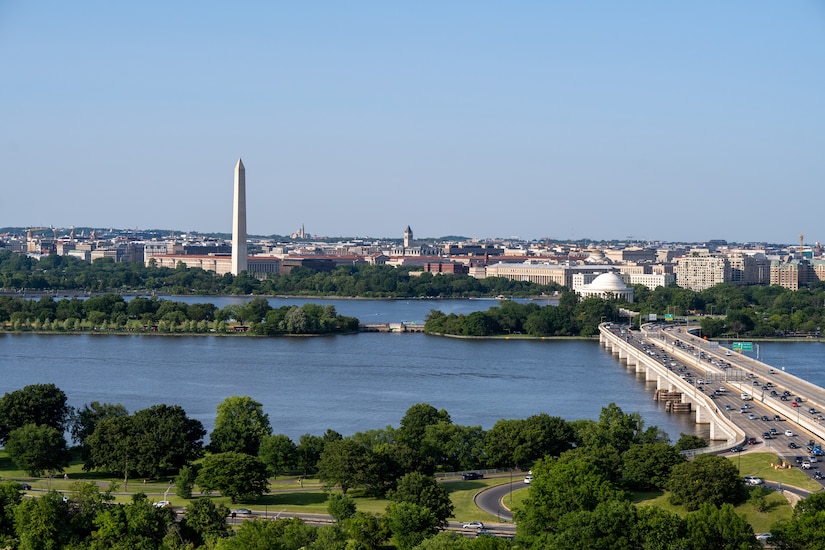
point(25, 487)
point(792, 445)
point(472, 475)
point(737, 449)
point(764, 418)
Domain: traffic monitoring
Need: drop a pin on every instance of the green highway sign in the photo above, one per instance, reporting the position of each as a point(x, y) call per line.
point(743, 346)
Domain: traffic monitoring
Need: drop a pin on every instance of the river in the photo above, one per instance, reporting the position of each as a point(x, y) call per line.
point(355, 382)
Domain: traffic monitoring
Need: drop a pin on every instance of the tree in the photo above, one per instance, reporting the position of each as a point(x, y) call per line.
point(706, 479)
point(42, 523)
point(720, 528)
point(136, 525)
point(805, 530)
point(205, 521)
point(415, 421)
point(560, 487)
point(235, 475)
point(152, 442)
point(687, 442)
point(256, 534)
point(410, 524)
point(10, 497)
point(86, 503)
point(41, 404)
point(617, 429)
point(279, 453)
point(340, 507)
point(660, 529)
point(239, 426)
point(329, 537)
point(609, 527)
point(453, 447)
point(185, 482)
point(37, 449)
point(423, 490)
point(648, 465)
point(367, 530)
point(87, 418)
point(519, 443)
point(342, 463)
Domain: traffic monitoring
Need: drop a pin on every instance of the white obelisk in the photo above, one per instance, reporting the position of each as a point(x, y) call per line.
point(239, 221)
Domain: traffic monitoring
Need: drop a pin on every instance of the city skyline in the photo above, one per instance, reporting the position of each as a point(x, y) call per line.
point(597, 121)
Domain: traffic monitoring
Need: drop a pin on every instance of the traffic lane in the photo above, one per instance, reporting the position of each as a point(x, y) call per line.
point(491, 500)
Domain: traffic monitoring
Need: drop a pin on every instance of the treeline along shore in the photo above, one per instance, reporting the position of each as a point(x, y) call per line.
point(724, 311)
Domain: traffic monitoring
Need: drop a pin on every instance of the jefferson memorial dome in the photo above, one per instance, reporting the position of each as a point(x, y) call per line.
point(609, 286)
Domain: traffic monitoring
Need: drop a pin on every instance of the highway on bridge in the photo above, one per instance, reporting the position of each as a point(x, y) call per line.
point(777, 411)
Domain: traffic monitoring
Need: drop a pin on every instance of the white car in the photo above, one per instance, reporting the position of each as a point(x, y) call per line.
point(789, 433)
point(473, 525)
point(528, 479)
point(763, 536)
point(163, 504)
point(753, 480)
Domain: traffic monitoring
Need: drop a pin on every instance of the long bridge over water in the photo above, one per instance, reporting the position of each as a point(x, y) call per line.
point(713, 383)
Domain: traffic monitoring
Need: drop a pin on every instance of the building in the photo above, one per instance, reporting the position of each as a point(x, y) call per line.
point(608, 286)
point(258, 266)
point(796, 273)
point(541, 273)
point(700, 269)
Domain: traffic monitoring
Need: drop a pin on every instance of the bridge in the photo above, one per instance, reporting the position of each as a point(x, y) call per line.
point(717, 386)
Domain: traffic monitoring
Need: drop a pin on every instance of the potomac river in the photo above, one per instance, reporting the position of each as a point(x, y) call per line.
point(355, 382)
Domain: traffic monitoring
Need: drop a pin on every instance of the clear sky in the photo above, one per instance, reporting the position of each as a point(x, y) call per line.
point(681, 121)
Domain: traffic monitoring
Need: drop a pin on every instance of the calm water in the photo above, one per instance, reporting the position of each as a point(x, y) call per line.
point(357, 382)
point(371, 311)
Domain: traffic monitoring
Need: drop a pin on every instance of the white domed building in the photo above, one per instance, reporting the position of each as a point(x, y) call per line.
point(609, 286)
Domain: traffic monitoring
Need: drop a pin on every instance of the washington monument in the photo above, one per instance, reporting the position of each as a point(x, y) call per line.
point(239, 221)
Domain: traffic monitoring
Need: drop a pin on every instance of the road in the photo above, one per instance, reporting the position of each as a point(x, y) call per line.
point(778, 401)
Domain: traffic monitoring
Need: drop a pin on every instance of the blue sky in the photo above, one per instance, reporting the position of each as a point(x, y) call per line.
point(681, 121)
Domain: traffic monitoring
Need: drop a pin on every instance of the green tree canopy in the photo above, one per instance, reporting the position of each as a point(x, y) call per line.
point(37, 449)
point(205, 522)
point(705, 479)
point(560, 487)
point(425, 491)
point(342, 464)
point(649, 465)
point(86, 419)
point(340, 506)
point(152, 442)
point(240, 425)
point(235, 475)
point(41, 404)
point(805, 530)
point(410, 524)
point(279, 453)
point(722, 528)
